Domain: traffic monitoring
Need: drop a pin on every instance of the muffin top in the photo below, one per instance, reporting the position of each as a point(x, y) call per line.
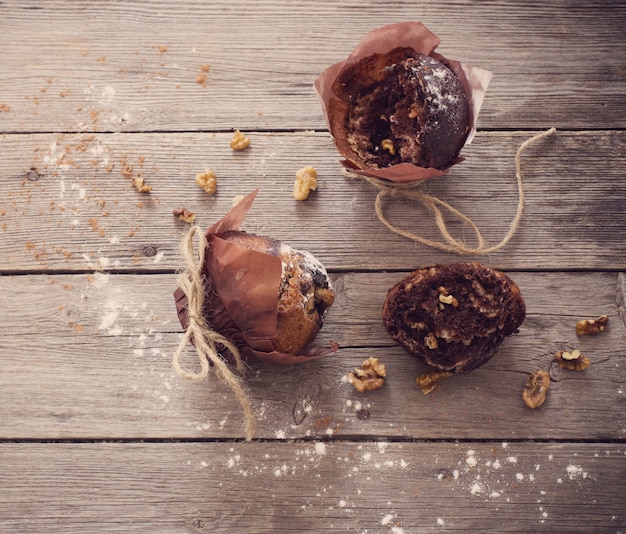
point(404, 107)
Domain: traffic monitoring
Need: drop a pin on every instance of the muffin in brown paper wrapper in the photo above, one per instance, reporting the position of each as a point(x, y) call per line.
point(242, 288)
point(376, 52)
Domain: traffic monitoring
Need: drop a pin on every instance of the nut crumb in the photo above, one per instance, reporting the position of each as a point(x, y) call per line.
point(431, 341)
point(574, 361)
point(141, 185)
point(536, 389)
point(236, 200)
point(591, 327)
point(370, 376)
point(387, 145)
point(239, 141)
point(207, 181)
point(306, 181)
point(429, 380)
point(184, 215)
point(446, 298)
point(414, 111)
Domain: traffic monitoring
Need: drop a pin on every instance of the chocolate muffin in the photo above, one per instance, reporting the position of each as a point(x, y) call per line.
point(305, 290)
point(403, 107)
point(453, 317)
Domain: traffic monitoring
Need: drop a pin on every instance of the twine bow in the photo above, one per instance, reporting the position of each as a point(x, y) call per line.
point(435, 206)
point(204, 339)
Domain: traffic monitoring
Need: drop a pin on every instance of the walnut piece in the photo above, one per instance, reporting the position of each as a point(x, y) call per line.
point(207, 180)
point(431, 341)
point(184, 215)
point(574, 361)
point(387, 145)
point(141, 185)
point(591, 327)
point(429, 380)
point(239, 141)
point(536, 389)
point(446, 298)
point(370, 376)
point(306, 181)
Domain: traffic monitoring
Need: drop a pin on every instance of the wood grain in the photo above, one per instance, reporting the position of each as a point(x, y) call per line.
point(312, 487)
point(99, 367)
point(97, 432)
point(61, 70)
point(78, 209)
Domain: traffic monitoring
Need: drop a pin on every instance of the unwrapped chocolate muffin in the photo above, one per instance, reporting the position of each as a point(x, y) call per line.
point(453, 317)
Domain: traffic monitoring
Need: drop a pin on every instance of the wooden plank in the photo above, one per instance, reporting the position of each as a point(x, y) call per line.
point(397, 488)
point(117, 66)
point(70, 203)
point(89, 357)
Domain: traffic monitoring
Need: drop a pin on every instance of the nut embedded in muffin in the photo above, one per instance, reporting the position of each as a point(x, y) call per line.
point(420, 314)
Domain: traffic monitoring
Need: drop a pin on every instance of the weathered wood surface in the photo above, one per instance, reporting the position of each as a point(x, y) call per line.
point(135, 66)
point(98, 434)
point(104, 341)
point(312, 487)
point(79, 210)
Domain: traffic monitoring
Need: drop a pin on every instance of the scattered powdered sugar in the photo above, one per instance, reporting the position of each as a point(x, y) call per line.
point(575, 471)
point(476, 489)
point(320, 448)
point(387, 518)
point(498, 479)
point(108, 320)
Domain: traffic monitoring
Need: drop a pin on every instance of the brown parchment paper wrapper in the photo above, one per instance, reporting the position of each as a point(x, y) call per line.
point(241, 295)
point(383, 40)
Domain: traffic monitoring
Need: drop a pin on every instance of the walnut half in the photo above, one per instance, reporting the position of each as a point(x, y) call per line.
point(536, 389)
point(239, 141)
point(574, 361)
point(370, 376)
point(207, 180)
point(184, 215)
point(306, 181)
point(591, 327)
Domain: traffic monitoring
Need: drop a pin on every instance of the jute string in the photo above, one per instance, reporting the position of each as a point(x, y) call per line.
point(435, 206)
point(204, 339)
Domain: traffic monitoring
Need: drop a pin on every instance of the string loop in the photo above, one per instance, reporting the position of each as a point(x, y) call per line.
point(436, 207)
point(206, 341)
